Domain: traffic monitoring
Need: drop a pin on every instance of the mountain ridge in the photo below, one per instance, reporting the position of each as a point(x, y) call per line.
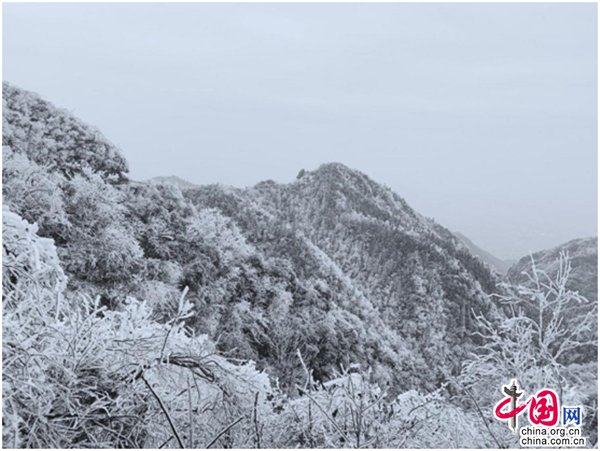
point(278, 291)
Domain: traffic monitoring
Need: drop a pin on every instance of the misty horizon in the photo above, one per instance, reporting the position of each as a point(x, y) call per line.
point(508, 260)
point(491, 134)
point(299, 225)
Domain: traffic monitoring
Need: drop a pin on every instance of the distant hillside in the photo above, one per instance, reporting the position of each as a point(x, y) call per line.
point(501, 266)
point(173, 180)
point(583, 253)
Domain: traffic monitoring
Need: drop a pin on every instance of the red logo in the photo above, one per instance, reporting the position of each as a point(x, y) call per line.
point(543, 407)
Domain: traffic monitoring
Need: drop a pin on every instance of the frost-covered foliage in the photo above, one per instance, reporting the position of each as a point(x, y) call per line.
point(375, 257)
point(321, 313)
point(101, 247)
point(78, 374)
point(30, 266)
point(583, 255)
point(33, 192)
point(545, 335)
point(352, 411)
point(50, 136)
point(32, 283)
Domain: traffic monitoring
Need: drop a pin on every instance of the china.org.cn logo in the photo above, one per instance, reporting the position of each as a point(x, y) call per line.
point(544, 414)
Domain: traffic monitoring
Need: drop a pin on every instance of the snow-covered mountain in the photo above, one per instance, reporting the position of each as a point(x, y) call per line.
point(272, 291)
point(375, 255)
point(340, 260)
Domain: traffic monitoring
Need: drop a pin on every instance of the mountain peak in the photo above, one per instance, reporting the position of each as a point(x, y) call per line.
point(336, 170)
point(338, 177)
point(334, 166)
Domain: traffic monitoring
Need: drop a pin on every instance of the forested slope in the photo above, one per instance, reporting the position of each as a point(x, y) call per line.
point(280, 300)
point(385, 260)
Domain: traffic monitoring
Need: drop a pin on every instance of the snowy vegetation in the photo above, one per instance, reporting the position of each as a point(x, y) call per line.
point(321, 313)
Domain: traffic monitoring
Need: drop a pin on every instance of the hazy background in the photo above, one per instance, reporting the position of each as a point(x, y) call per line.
point(482, 116)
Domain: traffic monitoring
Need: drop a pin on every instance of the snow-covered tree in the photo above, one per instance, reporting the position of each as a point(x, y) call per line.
point(533, 337)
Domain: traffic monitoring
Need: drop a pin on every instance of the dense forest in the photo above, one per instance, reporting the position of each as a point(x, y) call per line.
point(324, 312)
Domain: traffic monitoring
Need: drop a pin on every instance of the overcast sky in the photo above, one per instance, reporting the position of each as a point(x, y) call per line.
point(482, 116)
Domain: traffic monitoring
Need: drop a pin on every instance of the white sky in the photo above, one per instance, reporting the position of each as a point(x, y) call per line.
point(482, 116)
